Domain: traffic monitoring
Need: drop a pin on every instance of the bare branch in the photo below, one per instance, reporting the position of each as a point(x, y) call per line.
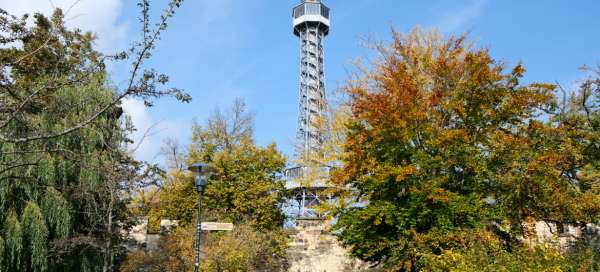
point(72, 6)
point(4, 170)
point(31, 53)
point(146, 134)
point(143, 87)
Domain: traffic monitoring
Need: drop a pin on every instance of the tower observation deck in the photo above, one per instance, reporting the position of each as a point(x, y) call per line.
point(311, 26)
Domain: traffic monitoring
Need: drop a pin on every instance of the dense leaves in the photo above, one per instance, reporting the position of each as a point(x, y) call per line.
point(45, 182)
point(445, 146)
point(243, 249)
point(245, 188)
point(65, 173)
point(246, 183)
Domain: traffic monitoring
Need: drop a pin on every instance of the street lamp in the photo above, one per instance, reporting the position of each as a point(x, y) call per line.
point(202, 171)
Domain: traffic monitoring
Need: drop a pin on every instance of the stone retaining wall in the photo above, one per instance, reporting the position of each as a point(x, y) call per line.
point(314, 249)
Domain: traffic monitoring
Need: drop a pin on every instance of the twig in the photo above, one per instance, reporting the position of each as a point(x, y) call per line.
point(130, 90)
point(32, 52)
point(144, 136)
point(72, 6)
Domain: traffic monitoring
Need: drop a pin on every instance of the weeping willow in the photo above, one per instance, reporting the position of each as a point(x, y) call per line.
point(56, 209)
point(1, 249)
point(57, 200)
point(35, 236)
point(13, 246)
point(63, 195)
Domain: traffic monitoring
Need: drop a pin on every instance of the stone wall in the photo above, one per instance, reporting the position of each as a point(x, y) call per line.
point(314, 249)
point(562, 237)
point(138, 238)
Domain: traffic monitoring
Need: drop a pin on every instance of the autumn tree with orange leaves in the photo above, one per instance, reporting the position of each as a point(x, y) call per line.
point(449, 155)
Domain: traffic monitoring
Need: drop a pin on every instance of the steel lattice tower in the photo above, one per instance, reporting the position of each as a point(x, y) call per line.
point(311, 26)
point(312, 248)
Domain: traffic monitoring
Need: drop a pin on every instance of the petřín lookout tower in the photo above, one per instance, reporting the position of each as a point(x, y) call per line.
point(311, 25)
point(313, 248)
point(306, 179)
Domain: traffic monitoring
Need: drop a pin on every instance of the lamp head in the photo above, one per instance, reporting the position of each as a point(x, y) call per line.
point(198, 168)
point(202, 172)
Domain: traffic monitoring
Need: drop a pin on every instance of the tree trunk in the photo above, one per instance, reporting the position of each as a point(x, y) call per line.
point(107, 263)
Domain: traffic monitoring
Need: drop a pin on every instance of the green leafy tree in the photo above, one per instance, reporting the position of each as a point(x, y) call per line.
point(246, 184)
point(246, 188)
point(65, 174)
point(445, 148)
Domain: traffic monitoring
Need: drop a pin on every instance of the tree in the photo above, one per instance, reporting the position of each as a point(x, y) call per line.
point(65, 175)
point(246, 188)
point(223, 132)
point(446, 150)
point(52, 57)
point(246, 185)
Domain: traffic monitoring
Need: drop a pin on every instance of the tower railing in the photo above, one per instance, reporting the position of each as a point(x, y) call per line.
point(311, 9)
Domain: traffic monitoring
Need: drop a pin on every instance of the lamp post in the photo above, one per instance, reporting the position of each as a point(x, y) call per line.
point(202, 172)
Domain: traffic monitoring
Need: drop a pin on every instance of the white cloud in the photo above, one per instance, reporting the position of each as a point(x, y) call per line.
point(150, 133)
point(97, 16)
point(455, 20)
point(142, 122)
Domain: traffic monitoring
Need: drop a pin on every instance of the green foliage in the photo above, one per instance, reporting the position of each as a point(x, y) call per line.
point(492, 257)
point(2, 245)
point(246, 184)
point(35, 236)
point(243, 249)
point(482, 258)
point(445, 147)
point(13, 231)
point(56, 171)
point(57, 212)
point(56, 79)
point(65, 173)
point(178, 200)
point(245, 188)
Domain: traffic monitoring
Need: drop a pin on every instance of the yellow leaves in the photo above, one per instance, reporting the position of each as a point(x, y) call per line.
point(377, 220)
point(588, 205)
point(452, 135)
point(518, 70)
point(404, 172)
point(551, 160)
point(440, 195)
point(439, 126)
point(543, 86)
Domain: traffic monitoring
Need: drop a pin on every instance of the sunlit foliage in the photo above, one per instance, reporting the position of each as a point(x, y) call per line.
point(65, 172)
point(446, 146)
point(246, 188)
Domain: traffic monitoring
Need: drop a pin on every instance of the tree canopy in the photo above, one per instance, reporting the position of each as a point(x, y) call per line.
point(65, 171)
point(246, 188)
point(447, 149)
point(246, 184)
point(443, 159)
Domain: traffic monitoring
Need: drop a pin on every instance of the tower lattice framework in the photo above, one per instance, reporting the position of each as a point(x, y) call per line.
point(311, 26)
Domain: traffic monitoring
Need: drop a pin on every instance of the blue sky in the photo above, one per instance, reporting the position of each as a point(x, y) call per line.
point(218, 50)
